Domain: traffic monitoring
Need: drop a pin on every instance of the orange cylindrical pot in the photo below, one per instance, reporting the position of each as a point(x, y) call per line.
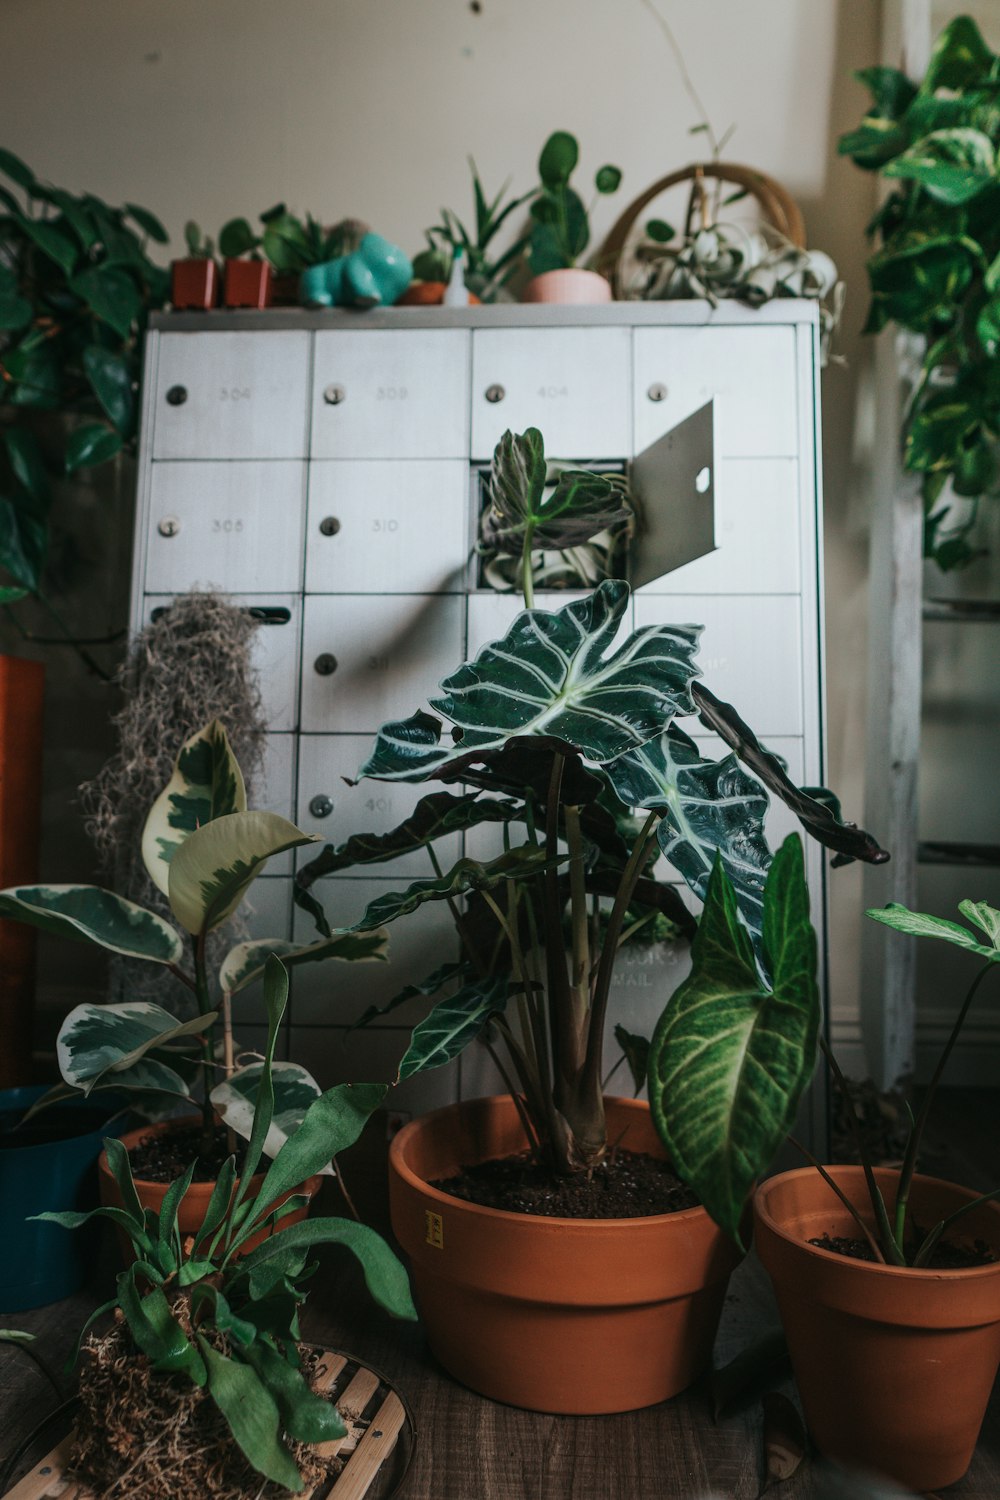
point(194, 1204)
point(560, 1315)
point(894, 1365)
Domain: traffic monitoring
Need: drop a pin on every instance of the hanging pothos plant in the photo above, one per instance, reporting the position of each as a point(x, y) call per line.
point(936, 270)
point(76, 286)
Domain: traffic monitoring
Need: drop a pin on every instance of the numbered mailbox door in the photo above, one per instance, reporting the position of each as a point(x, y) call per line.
point(399, 527)
point(231, 395)
point(387, 394)
point(236, 527)
point(571, 383)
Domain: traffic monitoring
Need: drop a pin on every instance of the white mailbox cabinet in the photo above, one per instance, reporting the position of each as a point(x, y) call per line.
point(324, 469)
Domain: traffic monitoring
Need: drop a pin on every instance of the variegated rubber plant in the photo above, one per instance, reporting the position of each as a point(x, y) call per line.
point(556, 732)
point(202, 849)
point(225, 1316)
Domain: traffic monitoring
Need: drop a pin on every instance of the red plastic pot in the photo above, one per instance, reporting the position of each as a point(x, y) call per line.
point(194, 283)
point(894, 1365)
point(193, 1206)
point(248, 283)
point(557, 1315)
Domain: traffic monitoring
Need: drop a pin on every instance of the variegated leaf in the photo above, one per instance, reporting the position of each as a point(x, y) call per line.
point(294, 1090)
point(97, 1040)
point(709, 807)
point(524, 509)
point(206, 783)
point(452, 1025)
point(244, 963)
point(555, 675)
point(89, 914)
point(921, 924)
point(466, 875)
point(211, 870)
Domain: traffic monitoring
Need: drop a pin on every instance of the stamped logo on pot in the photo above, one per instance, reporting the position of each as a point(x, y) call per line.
point(435, 1229)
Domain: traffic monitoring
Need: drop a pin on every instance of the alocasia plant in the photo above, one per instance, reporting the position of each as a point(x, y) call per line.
point(557, 731)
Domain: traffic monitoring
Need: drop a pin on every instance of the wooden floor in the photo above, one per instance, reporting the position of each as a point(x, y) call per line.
point(471, 1449)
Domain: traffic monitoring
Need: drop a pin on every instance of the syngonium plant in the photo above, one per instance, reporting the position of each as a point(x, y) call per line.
point(202, 848)
point(225, 1315)
point(936, 270)
point(556, 732)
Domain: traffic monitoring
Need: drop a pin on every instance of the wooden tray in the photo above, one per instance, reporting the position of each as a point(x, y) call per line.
point(377, 1448)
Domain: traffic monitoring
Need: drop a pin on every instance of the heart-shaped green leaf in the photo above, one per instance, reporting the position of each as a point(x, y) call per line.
point(111, 378)
point(209, 873)
point(93, 443)
point(89, 914)
point(954, 165)
point(731, 1058)
point(24, 540)
point(111, 295)
point(206, 783)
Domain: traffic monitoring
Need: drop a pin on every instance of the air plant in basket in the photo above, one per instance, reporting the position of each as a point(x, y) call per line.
point(555, 733)
point(201, 1384)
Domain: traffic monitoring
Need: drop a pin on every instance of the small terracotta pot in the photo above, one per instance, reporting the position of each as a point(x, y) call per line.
point(191, 1214)
point(194, 283)
point(894, 1365)
point(428, 294)
point(558, 1315)
point(248, 283)
point(569, 285)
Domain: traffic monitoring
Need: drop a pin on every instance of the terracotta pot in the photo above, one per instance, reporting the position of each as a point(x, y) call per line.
point(559, 1315)
point(428, 294)
point(569, 285)
point(191, 1214)
point(194, 283)
point(895, 1366)
point(248, 283)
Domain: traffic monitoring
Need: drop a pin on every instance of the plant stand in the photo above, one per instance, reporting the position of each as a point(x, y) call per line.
point(376, 1450)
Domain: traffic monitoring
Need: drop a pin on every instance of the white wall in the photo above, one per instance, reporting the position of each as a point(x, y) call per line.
point(208, 108)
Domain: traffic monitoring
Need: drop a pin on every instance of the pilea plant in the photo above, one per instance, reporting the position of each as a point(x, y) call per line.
point(565, 731)
point(560, 231)
point(936, 270)
point(76, 286)
point(223, 1312)
point(202, 848)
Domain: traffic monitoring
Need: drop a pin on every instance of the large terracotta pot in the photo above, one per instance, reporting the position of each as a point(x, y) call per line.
point(191, 1214)
point(559, 1315)
point(894, 1365)
point(570, 285)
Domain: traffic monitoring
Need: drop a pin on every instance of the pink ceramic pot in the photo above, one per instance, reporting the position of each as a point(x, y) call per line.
point(570, 285)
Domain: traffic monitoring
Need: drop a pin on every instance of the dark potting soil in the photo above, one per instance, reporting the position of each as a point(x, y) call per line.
point(166, 1155)
point(626, 1185)
point(946, 1255)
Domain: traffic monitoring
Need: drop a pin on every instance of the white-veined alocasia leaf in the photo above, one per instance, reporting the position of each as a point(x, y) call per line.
point(434, 817)
point(709, 807)
point(554, 675)
point(111, 1043)
point(730, 1058)
point(206, 784)
point(452, 1025)
point(244, 963)
point(211, 870)
point(89, 914)
point(920, 924)
point(522, 506)
point(294, 1090)
point(466, 875)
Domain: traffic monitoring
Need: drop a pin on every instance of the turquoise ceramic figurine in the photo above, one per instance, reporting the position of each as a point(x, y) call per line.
point(372, 274)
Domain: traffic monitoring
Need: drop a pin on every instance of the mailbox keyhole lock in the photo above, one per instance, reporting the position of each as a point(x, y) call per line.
point(495, 393)
point(177, 395)
point(334, 395)
point(326, 664)
point(657, 392)
point(329, 526)
point(321, 807)
point(169, 526)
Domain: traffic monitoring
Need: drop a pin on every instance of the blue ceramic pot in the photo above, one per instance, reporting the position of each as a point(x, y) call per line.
point(49, 1164)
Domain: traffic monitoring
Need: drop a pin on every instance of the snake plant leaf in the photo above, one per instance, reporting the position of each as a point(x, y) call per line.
point(96, 1041)
point(555, 675)
point(464, 876)
point(244, 963)
point(709, 807)
point(210, 871)
point(206, 783)
point(252, 1416)
point(89, 914)
point(953, 166)
point(452, 1025)
point(295, 1090)
point(920, 924)
point(521, 513)
point(434, 817)
point(331, 1124)
point(731, 1058)
point(384, 1275)
point(816, 815)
